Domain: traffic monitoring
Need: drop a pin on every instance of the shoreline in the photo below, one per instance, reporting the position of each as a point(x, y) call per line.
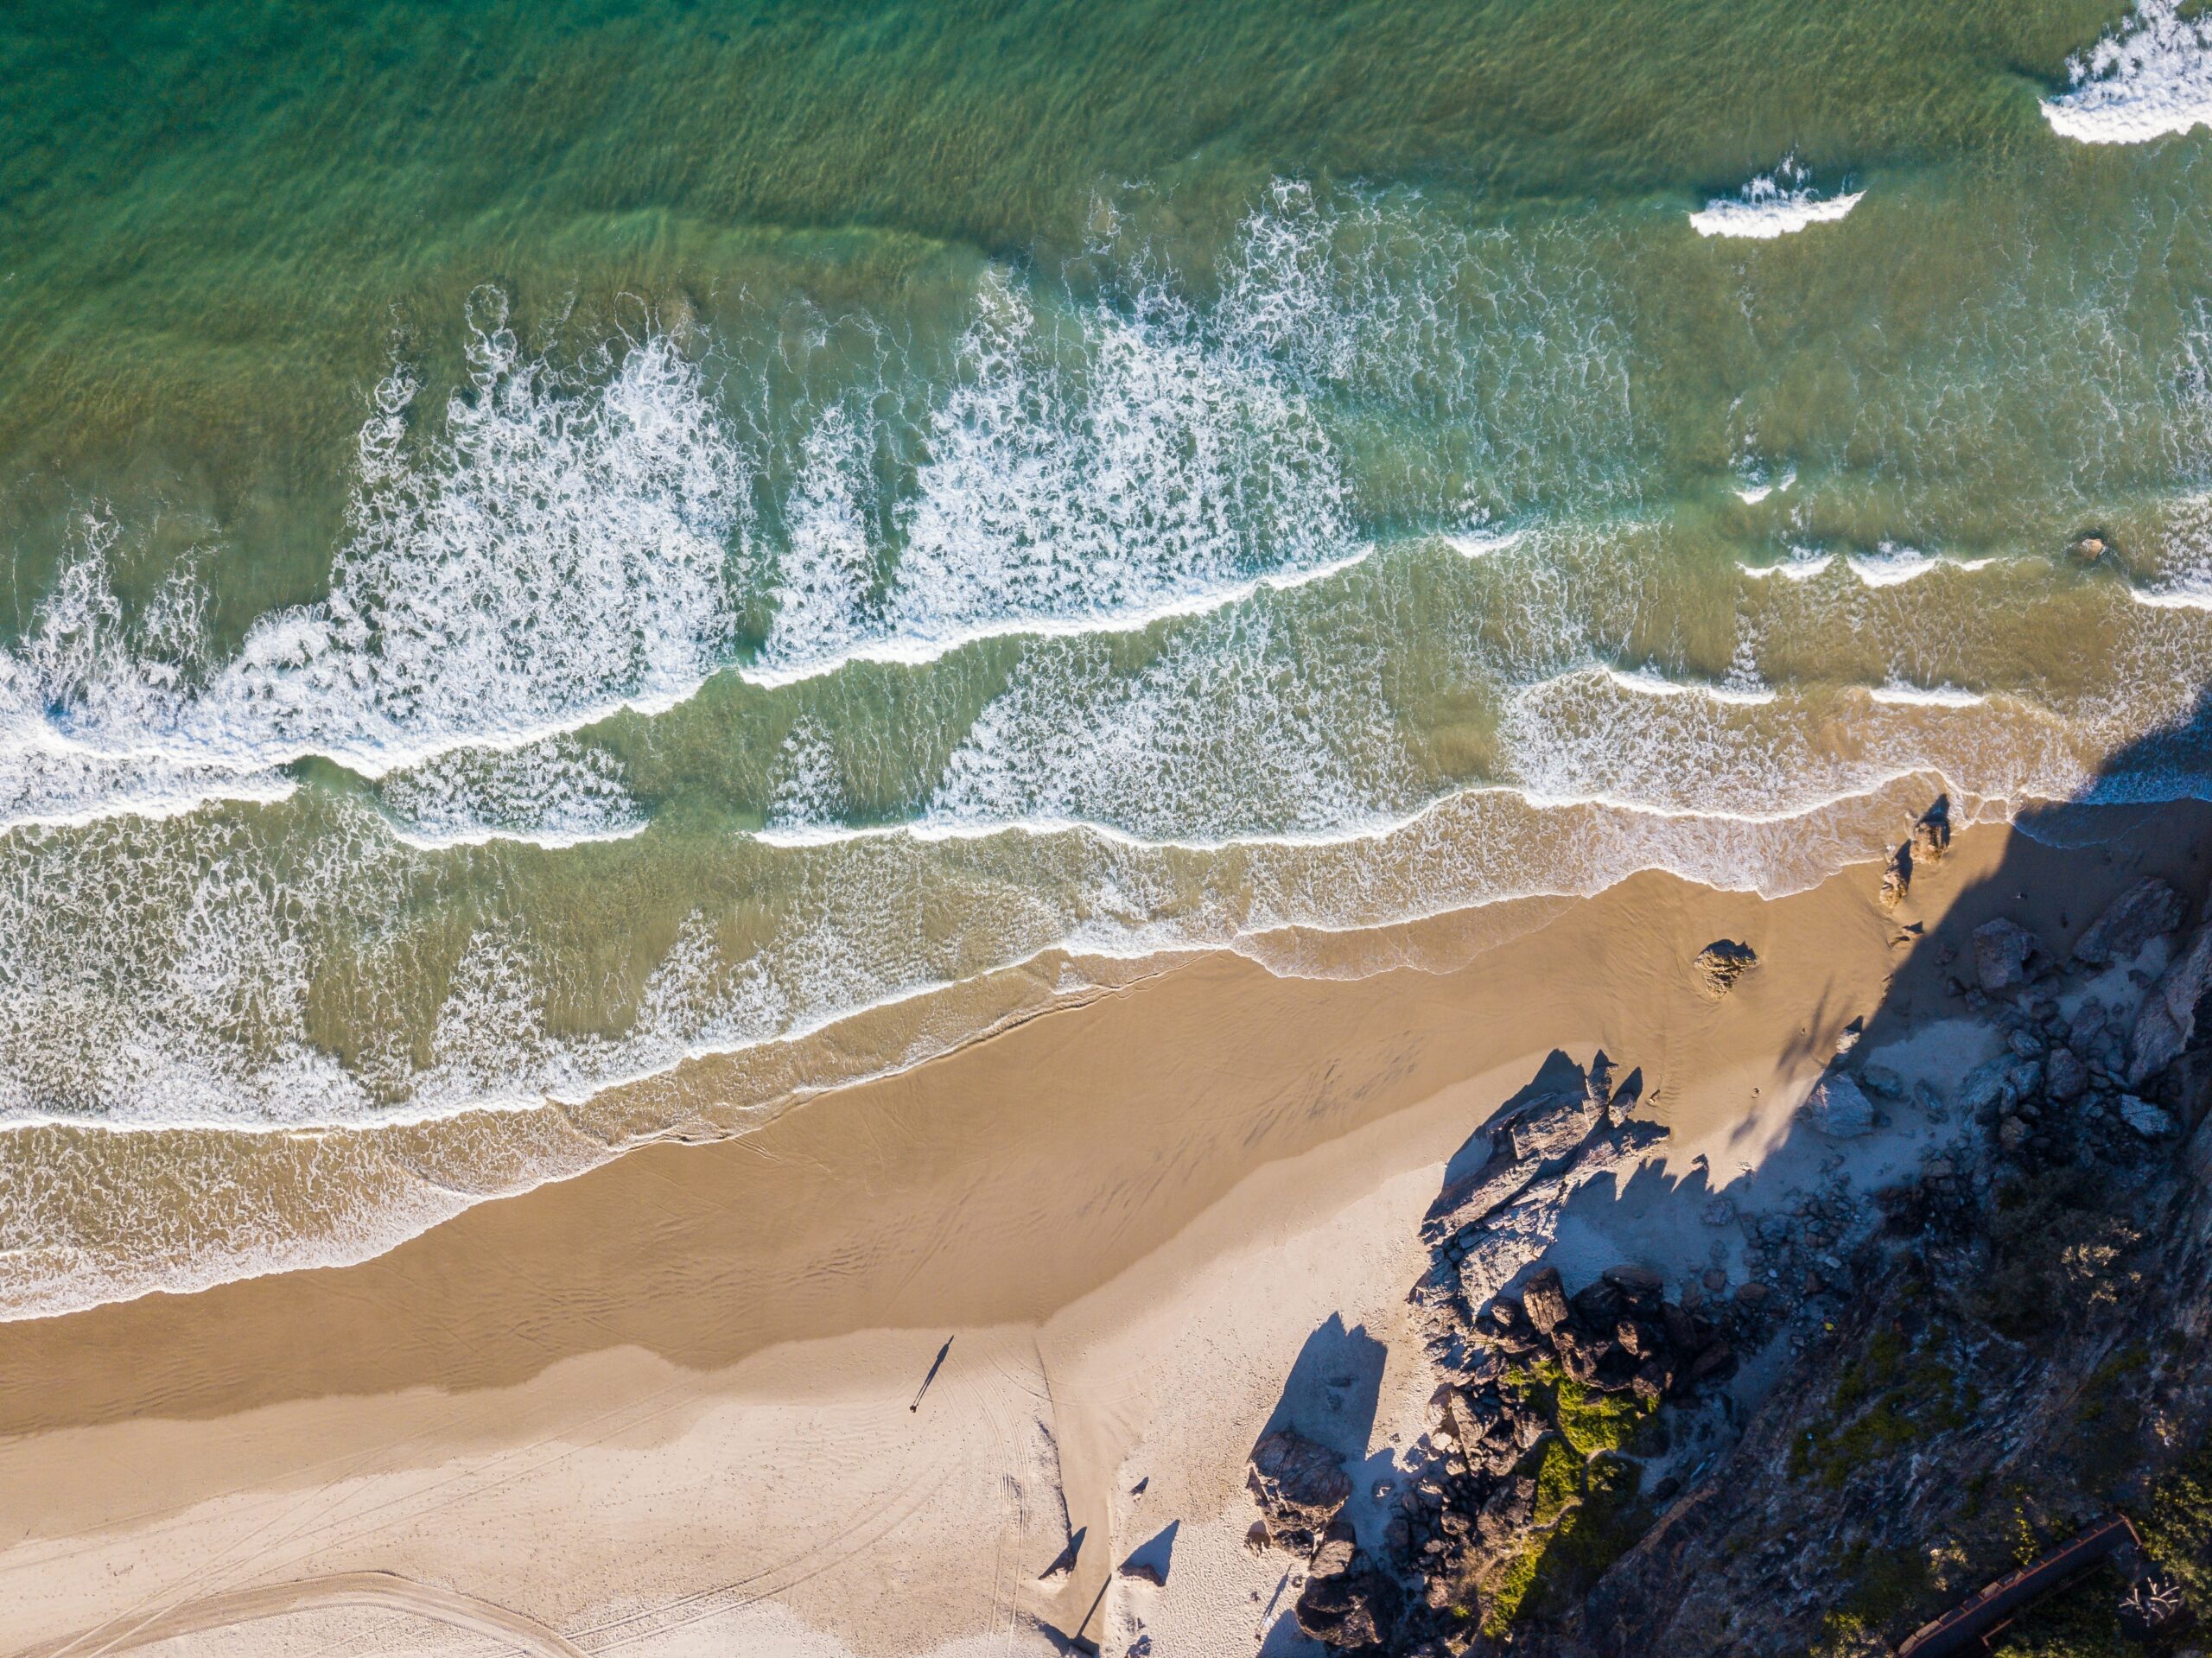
point(668, 1398)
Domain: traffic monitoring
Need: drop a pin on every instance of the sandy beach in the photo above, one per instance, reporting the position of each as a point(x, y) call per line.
point(690, 1402)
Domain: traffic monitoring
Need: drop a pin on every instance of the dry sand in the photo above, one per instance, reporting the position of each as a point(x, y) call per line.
point(664, 1407)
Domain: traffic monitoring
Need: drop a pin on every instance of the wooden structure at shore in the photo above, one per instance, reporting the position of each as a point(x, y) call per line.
point(1968, 1626)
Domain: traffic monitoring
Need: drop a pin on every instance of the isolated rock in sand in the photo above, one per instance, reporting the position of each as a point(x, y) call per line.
point(1723, 962)
point(1896, 875)
point(2168, 1021)
point(1839, 1108)
point(2131, 921)
point(1931, 836)
point(2006, 954)
point(1299, 1486)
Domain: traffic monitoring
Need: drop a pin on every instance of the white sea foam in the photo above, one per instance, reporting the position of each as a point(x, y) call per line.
point(2151, 79)
point(1480, 543)
point(919, 652)
point(555, 793)
point(1801, 565)
point(1759, 487)
point(1780, 203)
point(1890, 565)
point(1650, 683)
point(1899, 694)
point(557, 551)
point(1228, 730)
point(544, 560)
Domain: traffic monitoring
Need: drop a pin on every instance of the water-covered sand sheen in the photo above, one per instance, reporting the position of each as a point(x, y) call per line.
point(795, 637)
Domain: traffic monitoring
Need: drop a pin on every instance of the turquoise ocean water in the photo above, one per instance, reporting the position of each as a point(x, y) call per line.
point(579, 569)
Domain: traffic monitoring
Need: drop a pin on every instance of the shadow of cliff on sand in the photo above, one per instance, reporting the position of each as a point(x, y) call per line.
point(1998, 1060)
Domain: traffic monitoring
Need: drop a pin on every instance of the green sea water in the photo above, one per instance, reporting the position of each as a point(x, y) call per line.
point(579, 569)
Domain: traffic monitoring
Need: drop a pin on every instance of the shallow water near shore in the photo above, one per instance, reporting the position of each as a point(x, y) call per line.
point(547, 545)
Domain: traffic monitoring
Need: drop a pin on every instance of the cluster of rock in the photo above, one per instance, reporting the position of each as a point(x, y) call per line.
point(1472, 1508)
point(1929, 840)
point(1348, 1602)
point(2065, 1085)
point(1468, 1503)
point(1902, 1398)
point(1920, 1380)
point(1491, 1224)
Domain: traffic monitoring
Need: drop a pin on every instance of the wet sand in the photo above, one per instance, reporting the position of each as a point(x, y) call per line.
point(664, 1407)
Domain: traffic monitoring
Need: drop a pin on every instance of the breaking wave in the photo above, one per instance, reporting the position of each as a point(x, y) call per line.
point(1776, 204)
point(2149, 79)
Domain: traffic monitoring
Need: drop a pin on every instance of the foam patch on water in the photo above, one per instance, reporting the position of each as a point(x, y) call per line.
point(2150, 79)
point(551, 553)
point(1758, 485)
point(1897, 693)
point(810, 797)
point(1803, 565)
point(1650, 683)
point(555, 793)
point(1163, 472)
point(1780, 203)
point(1229, 731)
point(1890, 565)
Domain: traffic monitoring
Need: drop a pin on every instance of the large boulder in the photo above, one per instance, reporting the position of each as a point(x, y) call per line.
point(1839, 1108)
point(1339, 1544)
point(1299, 1486)
point(1353, 1611)
point(2144, 1118)
point(2131, 921)
point(1477, 1196)
point(2006, 954)
point(1723, 962)
point(2168, 1021)
point(1555, 1126)
point(1544, 1298)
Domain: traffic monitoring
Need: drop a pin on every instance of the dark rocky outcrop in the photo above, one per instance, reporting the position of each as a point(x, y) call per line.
point(1355, 1610)
point(1301, 1487)
point(1994, 1348)
point(2143, 913)
point(2009, 1349)
point(2006, 955)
